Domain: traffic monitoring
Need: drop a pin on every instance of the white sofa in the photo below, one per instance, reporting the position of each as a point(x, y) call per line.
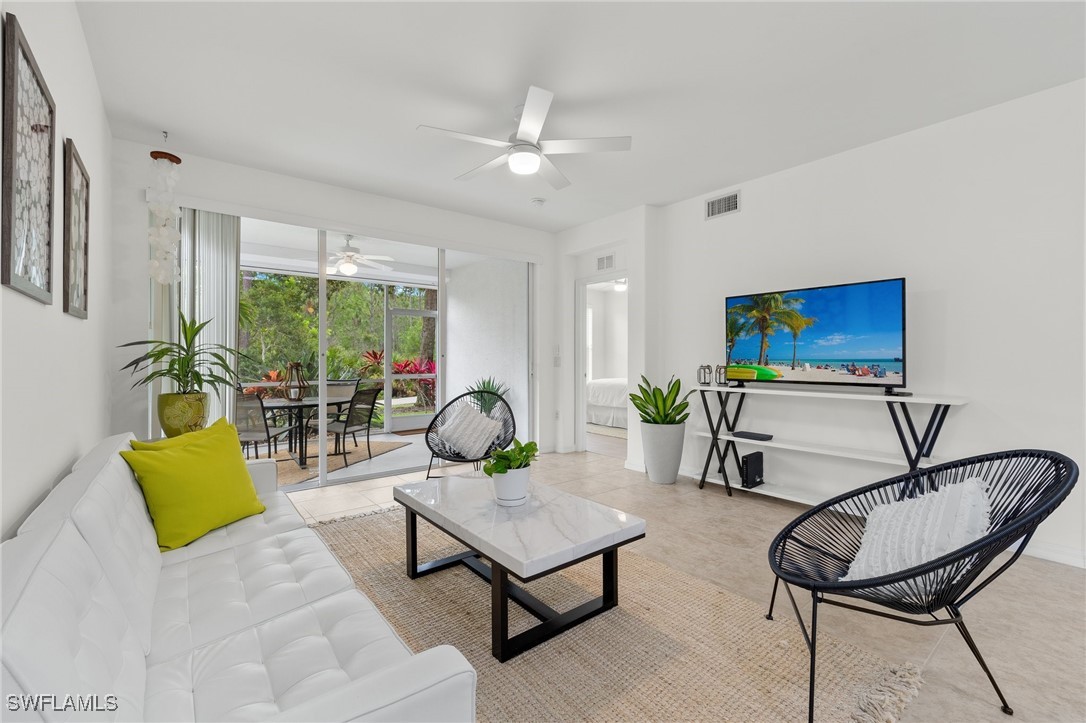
point(254, 621)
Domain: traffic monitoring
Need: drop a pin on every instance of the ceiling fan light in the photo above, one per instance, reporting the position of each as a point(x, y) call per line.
point(331, 270)
point(621, 285)
point(523, 160)
point(348, 268)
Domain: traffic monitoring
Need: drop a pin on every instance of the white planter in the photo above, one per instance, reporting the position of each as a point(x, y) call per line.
point(511, 488)
point(663, 444)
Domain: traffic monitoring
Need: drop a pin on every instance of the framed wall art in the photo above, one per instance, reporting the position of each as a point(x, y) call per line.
point(76, 231)
point(29, 134)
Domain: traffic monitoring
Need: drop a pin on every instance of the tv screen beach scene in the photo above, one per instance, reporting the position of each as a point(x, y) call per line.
point(848, 334)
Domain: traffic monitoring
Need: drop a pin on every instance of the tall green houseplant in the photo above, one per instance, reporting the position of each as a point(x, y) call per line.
point(663, 426)
point(191, 366)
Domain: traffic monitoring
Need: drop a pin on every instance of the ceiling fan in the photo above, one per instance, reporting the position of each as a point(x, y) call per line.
point(524, 153)
point(347, 260)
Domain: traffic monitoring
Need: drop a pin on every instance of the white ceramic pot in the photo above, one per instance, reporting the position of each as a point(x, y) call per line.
point(511, 488)
point(663, 444)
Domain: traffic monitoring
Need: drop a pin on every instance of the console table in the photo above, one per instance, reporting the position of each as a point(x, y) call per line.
point(916, 446)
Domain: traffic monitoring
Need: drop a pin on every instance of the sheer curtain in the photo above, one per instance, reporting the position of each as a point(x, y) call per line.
point(210, 265)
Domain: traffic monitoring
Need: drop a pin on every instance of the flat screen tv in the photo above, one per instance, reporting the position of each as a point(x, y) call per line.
point(847, 334)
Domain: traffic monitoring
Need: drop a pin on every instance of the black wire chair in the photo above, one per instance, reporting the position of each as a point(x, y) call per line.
point(487, 403)
point(817, 548)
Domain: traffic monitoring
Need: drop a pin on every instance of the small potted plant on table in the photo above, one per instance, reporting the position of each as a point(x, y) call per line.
point(509, 468)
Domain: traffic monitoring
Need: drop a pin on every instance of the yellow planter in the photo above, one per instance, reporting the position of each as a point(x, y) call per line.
point(180, 413)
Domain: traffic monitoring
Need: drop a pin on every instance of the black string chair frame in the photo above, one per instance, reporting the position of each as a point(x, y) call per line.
point(487, 403)
point(817, 548)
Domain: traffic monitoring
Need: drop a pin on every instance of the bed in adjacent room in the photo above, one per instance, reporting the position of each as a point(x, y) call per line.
point(606, 402)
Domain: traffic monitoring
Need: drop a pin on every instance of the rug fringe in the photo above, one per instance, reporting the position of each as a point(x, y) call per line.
point(887, 700)
point(379, 511)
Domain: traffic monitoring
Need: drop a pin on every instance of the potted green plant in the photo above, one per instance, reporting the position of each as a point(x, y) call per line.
point(488, 384)
point(663, 424)
point(190, 366)
point(509, 468)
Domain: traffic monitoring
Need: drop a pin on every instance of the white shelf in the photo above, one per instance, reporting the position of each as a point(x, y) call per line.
point(826, 449)
point(876, 395)
point(792, 493)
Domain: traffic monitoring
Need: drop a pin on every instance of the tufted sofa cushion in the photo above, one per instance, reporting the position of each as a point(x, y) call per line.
point(205, 598)
point(106, 505)
point(65, 630)
point(256, 674)
point(278, 517)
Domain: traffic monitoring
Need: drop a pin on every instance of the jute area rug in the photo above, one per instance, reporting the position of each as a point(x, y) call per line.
point(676, 648)
point(290, 472)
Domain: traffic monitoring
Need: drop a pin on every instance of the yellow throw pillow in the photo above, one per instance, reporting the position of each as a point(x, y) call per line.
point(182, 439)
point(194, 488)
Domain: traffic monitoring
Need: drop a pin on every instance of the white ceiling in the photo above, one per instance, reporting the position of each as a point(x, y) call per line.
point(712, 93)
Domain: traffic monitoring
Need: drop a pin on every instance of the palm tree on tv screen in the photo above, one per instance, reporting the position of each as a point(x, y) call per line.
point(765, 313)
point(737, 328)
point(796, 323)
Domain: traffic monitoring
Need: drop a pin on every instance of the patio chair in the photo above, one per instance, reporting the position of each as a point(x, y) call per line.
point(816, 550)
point(440, 432)
point(336, 387)
point(356, 419)
point(251, 421)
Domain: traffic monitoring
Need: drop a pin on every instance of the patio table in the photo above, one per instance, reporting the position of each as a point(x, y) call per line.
point(296, 419)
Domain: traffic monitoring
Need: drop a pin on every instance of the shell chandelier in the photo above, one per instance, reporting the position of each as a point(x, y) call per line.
point(163, 234)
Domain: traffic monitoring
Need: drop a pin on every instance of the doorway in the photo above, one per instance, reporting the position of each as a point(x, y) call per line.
point(602, 354)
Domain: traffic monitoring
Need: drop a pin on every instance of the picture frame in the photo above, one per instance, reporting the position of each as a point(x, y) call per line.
point(76, 231)
point(29, 142)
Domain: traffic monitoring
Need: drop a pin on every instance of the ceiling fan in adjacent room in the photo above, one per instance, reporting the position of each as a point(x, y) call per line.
point(524, 153)
point(347, 260)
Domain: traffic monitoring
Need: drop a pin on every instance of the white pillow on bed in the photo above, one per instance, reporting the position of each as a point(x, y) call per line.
point(469, 432)
point(904, 534)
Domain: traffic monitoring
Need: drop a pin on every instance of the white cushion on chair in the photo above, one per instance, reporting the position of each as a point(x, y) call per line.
point(901, 535)
point(469, 432)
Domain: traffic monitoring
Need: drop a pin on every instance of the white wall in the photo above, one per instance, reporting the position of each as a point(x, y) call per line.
point(983, 215)
point(55, 375)
point(227, 188)
point(487, 322)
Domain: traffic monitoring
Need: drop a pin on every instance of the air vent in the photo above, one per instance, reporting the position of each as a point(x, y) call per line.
point(722, 206)
point(605, 263)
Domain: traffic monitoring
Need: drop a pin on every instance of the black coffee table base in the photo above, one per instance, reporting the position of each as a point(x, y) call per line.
point(502, 590)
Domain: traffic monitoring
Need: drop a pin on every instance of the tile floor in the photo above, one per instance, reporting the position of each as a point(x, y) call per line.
point(1030, 623)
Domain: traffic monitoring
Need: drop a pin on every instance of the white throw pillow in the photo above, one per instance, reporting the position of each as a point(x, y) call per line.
point(469, 432)
point(904, 534)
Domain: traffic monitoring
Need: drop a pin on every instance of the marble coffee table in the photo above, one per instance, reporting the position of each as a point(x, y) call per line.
point(551, 531)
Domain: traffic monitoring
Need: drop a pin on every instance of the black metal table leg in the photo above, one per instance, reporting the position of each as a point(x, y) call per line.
point(714, 442)
point(411, 523)
point(723, 421)
point(921, 446)
point(499, 613)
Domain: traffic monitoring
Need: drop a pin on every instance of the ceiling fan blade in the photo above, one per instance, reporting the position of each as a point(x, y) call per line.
point(485, 167)
point(536, 106)
point(586, 145)
point(372, 265)
point(551, 174)
point(466, 136)
point(377, 258)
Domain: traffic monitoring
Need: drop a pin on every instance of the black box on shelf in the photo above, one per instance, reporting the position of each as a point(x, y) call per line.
point(752, 470)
